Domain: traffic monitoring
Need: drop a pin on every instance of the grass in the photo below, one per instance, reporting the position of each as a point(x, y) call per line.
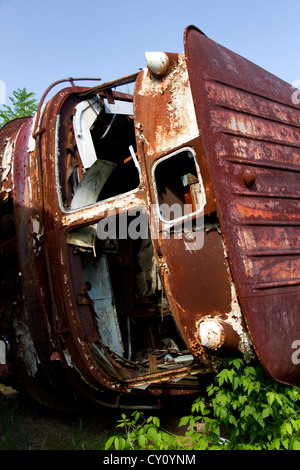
point(25, 425)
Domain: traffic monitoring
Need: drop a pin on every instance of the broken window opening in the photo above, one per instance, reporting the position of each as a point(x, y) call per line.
point(100, 161)
point(127, 302)
point(178, 186)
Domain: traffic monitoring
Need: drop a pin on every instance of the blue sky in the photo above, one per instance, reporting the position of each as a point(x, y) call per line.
point(43, 40)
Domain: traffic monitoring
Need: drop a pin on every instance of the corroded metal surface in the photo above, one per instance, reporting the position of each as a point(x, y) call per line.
point(145, 237)
point(197, 281)
point(251, 133)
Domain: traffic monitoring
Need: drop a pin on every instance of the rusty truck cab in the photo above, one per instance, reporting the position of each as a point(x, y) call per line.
point(139, 249)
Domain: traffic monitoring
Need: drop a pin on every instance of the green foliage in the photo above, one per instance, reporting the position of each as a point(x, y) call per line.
point(243, 410)
point(23, 104)
point(142, 433)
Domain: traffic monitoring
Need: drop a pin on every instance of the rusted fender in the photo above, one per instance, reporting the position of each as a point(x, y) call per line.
point(250, 131)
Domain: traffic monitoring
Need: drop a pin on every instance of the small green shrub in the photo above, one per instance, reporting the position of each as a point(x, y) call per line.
point(243, 409)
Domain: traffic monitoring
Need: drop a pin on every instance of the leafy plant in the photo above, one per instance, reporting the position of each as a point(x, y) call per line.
point(244, 409)
point(255, 412)
point(23, 104)
point(142, 433)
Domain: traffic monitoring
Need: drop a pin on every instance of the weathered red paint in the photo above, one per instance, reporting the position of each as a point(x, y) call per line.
point(121, 318)
point(251, 133)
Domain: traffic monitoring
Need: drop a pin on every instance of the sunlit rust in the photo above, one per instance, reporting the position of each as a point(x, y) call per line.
point(251, 126)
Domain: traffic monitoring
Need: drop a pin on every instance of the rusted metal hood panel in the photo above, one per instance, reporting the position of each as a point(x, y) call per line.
point(250, 130)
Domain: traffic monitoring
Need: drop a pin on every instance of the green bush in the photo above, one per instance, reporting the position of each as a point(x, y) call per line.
point(243, 410)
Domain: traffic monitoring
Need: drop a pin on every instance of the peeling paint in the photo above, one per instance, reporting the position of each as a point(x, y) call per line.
point(26, 348)
point(235, 319)
point(7, 159)
point(178, 124)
